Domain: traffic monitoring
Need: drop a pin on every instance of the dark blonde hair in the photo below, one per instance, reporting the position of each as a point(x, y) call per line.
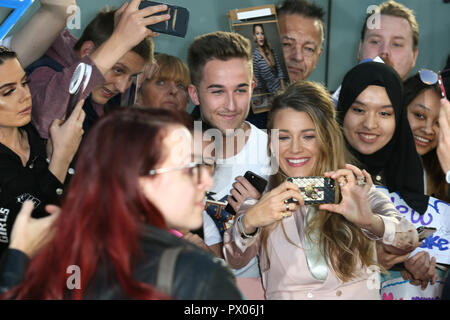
point(217, 45)
point(171, 68)
point(395, 9)
point(344, 243)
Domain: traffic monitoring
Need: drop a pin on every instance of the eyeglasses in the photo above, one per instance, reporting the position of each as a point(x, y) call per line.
point(195, 170)
point(430, 77)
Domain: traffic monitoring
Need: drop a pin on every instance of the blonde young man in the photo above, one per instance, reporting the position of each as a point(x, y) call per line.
point(221, 69)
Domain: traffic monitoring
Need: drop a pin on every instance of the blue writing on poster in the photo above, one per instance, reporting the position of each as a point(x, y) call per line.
point(437, 216)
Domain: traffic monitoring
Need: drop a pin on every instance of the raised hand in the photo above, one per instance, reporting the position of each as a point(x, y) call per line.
point(65, 139)
point(242, 189)
point(272, 207)
point(131, 23)
point(355, 185)
point(28, 234)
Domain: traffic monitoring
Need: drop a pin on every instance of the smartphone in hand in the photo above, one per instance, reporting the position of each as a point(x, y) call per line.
point(315, 190)
point(177, 25)
point(256, 181)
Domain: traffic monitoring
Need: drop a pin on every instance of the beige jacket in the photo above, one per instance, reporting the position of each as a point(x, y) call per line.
point(289, 276)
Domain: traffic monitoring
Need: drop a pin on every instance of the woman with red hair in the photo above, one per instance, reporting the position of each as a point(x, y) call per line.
point(134, 181)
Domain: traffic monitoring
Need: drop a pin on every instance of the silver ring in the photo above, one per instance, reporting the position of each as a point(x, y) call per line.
point(361, 181)
point(287, 207)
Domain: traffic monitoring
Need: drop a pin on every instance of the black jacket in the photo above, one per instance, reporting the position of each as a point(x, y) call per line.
point(198, 275)
point(19, 183)
point(13, 264)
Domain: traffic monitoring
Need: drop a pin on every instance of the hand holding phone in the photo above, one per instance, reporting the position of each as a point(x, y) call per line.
point(177, 24)
point(258, 182)
point(78, 84)
point(131, 24)
point(315, 190)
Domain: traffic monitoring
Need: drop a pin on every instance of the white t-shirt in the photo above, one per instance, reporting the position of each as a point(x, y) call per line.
point(253, 157)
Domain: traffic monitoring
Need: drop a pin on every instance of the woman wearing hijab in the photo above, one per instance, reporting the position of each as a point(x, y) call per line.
point(376, 130)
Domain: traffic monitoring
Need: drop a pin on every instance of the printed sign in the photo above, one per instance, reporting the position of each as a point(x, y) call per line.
point(400, 289)
point(437, 216)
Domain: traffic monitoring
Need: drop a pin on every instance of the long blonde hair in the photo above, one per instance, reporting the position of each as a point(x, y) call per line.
point(344, 244)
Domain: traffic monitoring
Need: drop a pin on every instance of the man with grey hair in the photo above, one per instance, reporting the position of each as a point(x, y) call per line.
point(302, 35)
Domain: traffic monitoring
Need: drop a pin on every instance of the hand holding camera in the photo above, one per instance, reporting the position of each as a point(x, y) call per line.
point(132, 23)
point(250, 185)
point(354, 186)
point(272, 207)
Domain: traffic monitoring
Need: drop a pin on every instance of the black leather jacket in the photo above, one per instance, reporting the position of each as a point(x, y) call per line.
point(198, 275)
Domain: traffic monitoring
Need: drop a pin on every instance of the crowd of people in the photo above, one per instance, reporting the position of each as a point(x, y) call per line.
point(150, 205)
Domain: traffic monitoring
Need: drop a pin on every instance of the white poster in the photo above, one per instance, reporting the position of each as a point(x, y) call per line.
point(400, 289)
point(437, 216)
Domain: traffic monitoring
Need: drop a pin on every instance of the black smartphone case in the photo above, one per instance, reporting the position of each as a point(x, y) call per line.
point(315, 190)
point(258, 182)
point(177, 24)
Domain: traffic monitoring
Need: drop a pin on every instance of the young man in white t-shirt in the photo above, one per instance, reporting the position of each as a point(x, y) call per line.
point(221, 70)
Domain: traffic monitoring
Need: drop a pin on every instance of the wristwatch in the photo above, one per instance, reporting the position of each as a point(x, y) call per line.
point(447, 177)
point(241, 229)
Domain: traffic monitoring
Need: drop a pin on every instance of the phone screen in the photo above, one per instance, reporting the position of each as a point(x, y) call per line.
point(177, 25)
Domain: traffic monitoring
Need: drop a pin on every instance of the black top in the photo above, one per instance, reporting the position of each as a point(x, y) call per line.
point(13, 264)
point(197, 275)
point(19, 183)
point(398, 160)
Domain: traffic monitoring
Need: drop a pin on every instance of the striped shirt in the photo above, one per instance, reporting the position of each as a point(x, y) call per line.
point(268, 79)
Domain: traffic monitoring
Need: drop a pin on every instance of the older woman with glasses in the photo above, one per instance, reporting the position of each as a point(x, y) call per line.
point(135, 180)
